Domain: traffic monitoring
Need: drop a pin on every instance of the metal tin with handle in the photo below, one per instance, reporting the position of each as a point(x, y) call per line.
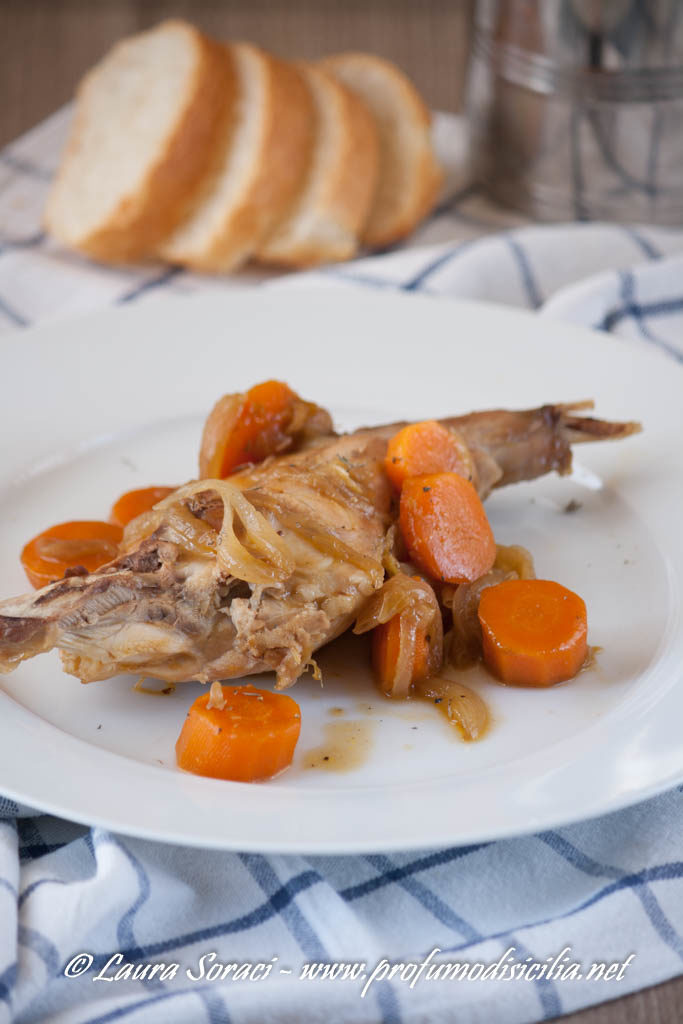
point(576, 107)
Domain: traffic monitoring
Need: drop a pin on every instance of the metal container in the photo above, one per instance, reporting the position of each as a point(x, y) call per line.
point(576, 107)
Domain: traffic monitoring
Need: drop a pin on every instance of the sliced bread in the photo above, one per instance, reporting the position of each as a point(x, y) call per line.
point(325, 222)
point(146, 122)
point(263, 167)
point(409, 175)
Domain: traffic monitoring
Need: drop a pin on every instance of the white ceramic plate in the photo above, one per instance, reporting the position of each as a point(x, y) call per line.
point(93, 407)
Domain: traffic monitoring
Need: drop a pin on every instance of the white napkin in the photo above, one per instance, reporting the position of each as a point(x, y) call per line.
point(609, 891)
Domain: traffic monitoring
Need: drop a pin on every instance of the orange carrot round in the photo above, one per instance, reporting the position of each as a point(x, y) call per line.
point(445, 528)
point(422, 448)
point(534, 632)
point(133, 503)
point(250, 737)
point(68, 546)
point(246, 428)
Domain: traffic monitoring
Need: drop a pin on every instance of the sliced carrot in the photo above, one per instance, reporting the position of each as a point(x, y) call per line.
point(422, 448)
point(445, 528)
point(250, 738)
point(534, 632)
point(68, 546)
point(133, 503)
point(246, 428)
point(268, 419)
point(386, 651)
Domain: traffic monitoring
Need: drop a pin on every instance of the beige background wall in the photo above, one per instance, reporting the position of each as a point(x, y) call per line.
point(46, 45)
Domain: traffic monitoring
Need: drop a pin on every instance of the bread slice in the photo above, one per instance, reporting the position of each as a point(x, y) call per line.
point(262, 169)
point(325, 223)
point(146, 122)
point(409, 175)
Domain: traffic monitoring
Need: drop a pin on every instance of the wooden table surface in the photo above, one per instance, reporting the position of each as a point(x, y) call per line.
point(46, 45)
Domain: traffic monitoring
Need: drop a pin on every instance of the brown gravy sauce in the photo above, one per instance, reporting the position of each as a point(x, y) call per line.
point(591, 659)
point(346, 746)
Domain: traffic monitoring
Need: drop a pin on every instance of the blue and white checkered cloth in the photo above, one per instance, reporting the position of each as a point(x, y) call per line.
point(599, 892)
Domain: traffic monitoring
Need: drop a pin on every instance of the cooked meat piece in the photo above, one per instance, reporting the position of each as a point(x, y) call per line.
point(229, 578)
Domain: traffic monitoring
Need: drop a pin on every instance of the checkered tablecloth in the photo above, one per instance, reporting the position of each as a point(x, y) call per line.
point(603, 891)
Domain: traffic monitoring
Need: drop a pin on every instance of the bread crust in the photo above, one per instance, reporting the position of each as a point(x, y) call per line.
point(276, 177)
point(237, 175)
point(327, 227)
point(382, 228)
point(141, 220)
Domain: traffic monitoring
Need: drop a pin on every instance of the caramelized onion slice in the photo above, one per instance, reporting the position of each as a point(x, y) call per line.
point(466, 642)
point(399, 594)
point(216, 698)
point(462, 706)
point(512, 562)
point(515, 559)
point(390, 562)
point(414, 601)
point(248, 547)
point(139, 529)
point(189, 532)
point(181, 527)
point(220, 421)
